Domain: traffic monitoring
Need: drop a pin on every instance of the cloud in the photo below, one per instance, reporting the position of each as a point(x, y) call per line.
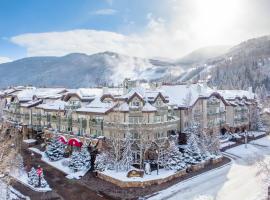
point(187, 25)
point(110, 2)
point(106, 11)
point(4, 60)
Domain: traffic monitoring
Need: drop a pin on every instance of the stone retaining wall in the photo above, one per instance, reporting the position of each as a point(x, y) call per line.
point(129, 184)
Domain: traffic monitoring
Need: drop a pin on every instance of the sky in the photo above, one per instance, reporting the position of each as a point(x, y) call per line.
point(152, 28)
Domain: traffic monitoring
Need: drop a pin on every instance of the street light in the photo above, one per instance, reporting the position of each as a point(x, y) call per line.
point(157, 161)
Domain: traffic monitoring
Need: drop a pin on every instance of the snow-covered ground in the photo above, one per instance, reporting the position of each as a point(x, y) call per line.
point(9, 193)
point(23, 178)
point(60, 165)
point(238, 180)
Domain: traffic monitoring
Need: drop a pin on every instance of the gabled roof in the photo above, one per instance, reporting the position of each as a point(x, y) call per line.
point(56, 105)
point(148, 108)
point(186, 95)
point(97, 106)
point(32, 103)
point(234, 94)
point(84, 94)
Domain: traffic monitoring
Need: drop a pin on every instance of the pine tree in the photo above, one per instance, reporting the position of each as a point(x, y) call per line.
point(76, 162)
point(86, 157)
point(174, 159)
point(127, 158)
point(43, 182)
point(259, 124)
point(55, 149)
point(80, 159)
point(192, 153)
point(33, 177)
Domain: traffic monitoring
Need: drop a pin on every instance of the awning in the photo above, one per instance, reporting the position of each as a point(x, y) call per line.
point(75, 142)
point(63, 139)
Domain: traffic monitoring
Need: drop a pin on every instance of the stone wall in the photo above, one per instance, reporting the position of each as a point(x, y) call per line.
point(129, 184)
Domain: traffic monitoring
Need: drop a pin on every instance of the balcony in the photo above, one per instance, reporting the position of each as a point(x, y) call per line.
point(171, 124)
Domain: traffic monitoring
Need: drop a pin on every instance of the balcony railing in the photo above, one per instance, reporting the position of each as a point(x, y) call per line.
point(172, 124)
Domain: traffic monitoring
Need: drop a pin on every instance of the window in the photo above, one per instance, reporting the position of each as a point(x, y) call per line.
point(135, 119)
point(157, 119)
point(135, 103)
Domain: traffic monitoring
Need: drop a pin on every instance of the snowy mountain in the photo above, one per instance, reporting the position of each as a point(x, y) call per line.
point(244, 65)
point(247, 64)
point(81, 70)
point(203, 54)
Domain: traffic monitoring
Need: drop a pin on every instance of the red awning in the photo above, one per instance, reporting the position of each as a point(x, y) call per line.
point(75, 142)
point(63, 139)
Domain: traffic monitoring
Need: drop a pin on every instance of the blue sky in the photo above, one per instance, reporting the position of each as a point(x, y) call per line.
point(146, 28)
point(32, 16)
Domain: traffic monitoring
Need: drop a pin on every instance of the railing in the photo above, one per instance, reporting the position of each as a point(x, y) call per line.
point(172, 124)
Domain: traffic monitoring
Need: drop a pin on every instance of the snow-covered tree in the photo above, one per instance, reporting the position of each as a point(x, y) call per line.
point(55, 149)
point(101, 162)
point(259, 123)
point(33, 179)
point(174, 159)
point(76, 162)
point(209, 145)
point(86, 156)
point(127, 158)
point(192, 153)
point(43, 182)
point(80, 160)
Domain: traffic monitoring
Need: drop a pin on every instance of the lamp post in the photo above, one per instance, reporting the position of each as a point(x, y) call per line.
point(157, 161)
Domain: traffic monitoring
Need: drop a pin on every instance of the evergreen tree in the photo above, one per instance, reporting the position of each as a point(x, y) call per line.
point(192, 153)
point(126, 160)
point(43, 182)
point(86, 157)
point(76, 162)
point(174, 159)
point(33, 177)
point(80, 160)
point(259, 123)
point(55, 149)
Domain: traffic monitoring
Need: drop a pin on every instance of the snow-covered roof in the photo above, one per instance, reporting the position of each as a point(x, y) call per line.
point(146, 94)
point(97, 106)
point(40, 93)
point(124, 107)
point(56, 105)
point(186, 95)
point(232, 94)
point(31, 103)
point(148, 108)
